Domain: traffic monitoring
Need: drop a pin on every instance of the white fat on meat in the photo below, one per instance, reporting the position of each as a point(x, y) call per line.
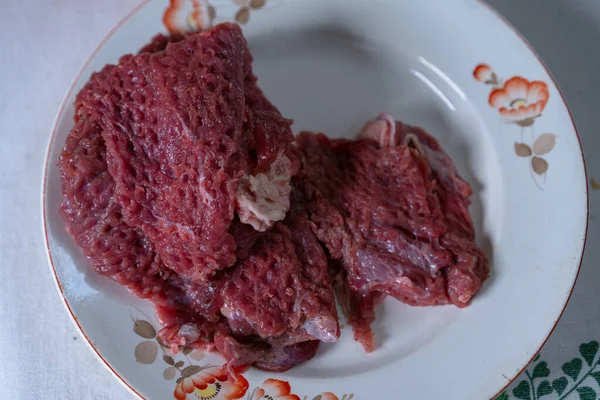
point(189, 333)
point(383, 131)
point(264, 198)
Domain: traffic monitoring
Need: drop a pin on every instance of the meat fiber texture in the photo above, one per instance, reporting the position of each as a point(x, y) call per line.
point(95, 220)
point(285, 322)
point(393, 214)
point(282, 294)
point(189, 137)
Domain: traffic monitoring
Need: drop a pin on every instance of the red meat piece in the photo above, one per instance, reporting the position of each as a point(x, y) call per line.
point(393, 214)
point(182, 127)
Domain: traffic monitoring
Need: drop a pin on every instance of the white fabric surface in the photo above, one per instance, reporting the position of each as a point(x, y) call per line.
point(42, 46)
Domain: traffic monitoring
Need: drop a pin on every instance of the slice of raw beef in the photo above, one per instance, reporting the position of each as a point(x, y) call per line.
point(393, 214)
point(190, 138)
point(287, 315)
point(94, 219)
point(279, 301)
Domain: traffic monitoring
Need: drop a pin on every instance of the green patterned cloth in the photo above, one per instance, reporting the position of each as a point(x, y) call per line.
point(577, 377)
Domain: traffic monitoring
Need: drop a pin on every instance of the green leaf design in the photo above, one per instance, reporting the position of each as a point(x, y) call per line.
point(522, 391)
point(536, 357)
point(503, 396)
point(588, 351)
point(596, 376)
point(541, 370)
point(560, 385)
point(544, 389)
point(572, 368)
point(586, 393)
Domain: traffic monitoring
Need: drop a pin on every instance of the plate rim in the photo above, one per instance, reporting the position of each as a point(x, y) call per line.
point(492, 11)
point(520, 36)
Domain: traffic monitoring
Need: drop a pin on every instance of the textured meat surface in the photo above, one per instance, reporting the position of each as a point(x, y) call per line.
point(393, 213)
point(182, 128)
point(279, 301)
point(177, 182)
point(190, 310)
point(94, 219)
point(274, 295)
point(263, 356)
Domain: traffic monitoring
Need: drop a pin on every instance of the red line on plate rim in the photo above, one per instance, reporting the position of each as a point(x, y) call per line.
point(493, 11)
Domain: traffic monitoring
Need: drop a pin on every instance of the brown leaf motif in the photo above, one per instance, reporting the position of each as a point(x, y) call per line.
point(595, 184)
point(522, 150)
point(254, 4)
point(257, 3)
point(169, 373)
point(243, 15)
point(145, 352)
point(144, 329)
point(179, 364)
point(190, 370)
point(544, 144)
point(168, 359)
point(539, 165)
point(197, 355)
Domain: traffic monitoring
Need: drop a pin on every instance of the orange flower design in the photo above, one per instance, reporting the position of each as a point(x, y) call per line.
point(328, 396)
point(520, 101)
point(484, 73)
point(211, 383)
point(188, 15)
point(274, 389)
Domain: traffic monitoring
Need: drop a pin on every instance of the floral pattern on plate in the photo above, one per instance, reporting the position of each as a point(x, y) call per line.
point(193, 15)
point(188, 15)
point(521, 102)
point(208, 382)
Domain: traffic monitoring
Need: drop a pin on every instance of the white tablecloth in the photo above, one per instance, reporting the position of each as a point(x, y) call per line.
point(42, 46)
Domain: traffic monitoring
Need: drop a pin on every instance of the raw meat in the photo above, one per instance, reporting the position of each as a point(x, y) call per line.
point(279, 301)
point(263, 356)
point(276, 331)
point(393, 213)
point(94, 219)
point(180, 182)
point(281, 292)
point(183, 128)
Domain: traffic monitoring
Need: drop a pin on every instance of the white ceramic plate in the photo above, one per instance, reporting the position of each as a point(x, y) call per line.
point(459, 71)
